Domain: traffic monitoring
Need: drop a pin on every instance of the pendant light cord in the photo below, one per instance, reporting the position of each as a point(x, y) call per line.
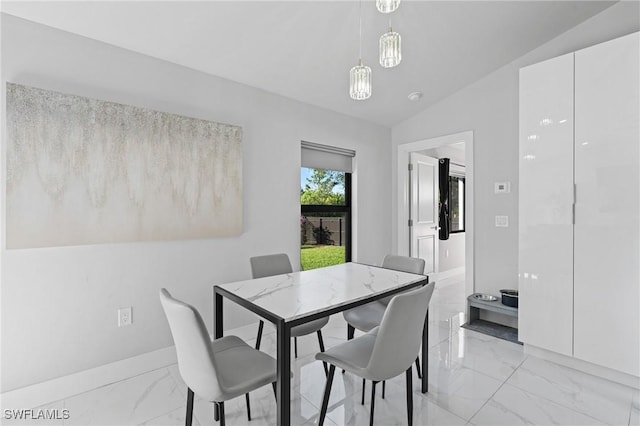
point(360, 31)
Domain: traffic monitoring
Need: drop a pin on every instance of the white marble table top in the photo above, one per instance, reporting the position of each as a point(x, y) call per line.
point(299, 294)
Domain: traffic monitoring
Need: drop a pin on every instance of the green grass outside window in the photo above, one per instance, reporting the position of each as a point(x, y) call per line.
point(313, 257)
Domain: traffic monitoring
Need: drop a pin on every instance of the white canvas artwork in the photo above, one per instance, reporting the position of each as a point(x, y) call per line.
point(85, 171)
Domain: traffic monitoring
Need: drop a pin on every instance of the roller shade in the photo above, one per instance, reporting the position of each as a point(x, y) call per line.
point(316, 156)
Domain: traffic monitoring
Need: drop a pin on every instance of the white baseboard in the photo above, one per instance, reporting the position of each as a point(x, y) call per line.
point(67, 386)
point(64, 387)
point(584, 366)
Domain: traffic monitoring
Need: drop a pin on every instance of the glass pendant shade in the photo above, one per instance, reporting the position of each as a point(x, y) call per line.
point(390, 49)
point(387, 6)
point(360, 82)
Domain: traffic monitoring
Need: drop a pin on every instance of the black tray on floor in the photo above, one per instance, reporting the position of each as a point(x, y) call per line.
point(500, 331)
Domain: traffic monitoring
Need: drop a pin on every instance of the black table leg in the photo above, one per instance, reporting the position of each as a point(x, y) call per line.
point(217, 315)
point(284, 373)
point(425, 355)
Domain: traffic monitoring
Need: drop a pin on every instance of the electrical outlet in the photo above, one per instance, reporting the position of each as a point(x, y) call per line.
point(502, 221)
point(124, 317)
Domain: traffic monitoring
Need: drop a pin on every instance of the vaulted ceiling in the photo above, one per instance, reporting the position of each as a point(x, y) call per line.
point(304, 49)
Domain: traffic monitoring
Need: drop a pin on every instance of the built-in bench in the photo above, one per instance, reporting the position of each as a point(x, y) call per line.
point(475, 305)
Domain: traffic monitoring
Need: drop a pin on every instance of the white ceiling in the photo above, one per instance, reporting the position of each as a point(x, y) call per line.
point(455, 152)
point(304, 49)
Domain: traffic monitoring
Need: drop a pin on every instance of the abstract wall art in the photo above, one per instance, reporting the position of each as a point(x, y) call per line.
point(84, 171)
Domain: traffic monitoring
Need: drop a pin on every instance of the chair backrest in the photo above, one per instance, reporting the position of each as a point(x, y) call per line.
point(271, 264)
point(400, 333)
point(196, 360)
point(412, 265)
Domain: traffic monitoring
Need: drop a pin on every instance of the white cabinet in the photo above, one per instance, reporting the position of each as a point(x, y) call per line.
point(607, 226)
point(579, 276)
point(546, 197)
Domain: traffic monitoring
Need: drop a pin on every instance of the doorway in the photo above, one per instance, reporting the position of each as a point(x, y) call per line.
point(434, 147)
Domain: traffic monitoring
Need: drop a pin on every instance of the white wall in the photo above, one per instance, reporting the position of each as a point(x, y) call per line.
point(59, 304)
point(451, 252)
point(489, 107)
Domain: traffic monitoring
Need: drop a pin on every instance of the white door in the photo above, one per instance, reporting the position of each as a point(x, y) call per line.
point(423, 218)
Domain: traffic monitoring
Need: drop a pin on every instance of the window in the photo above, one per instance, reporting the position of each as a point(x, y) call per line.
point(325, 205)
point(325, 217)
point(456, 203)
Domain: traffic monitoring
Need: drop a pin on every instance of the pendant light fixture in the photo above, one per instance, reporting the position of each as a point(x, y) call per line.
point(387, 6)
point(390, 49)
point(360, 82)
point(360, 75)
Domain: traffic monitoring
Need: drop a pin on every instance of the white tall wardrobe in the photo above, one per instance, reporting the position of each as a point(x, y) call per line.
point(579, 227)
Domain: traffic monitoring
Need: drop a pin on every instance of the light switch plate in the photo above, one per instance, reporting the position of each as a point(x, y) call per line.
point(502, 221)
point(502, 187)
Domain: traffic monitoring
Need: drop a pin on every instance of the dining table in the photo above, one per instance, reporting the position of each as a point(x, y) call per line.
point(296, 298)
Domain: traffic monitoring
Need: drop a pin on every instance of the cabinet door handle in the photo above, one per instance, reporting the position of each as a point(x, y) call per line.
point(573, 206)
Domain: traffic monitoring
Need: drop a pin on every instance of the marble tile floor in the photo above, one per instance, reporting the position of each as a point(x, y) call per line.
point(474, 379)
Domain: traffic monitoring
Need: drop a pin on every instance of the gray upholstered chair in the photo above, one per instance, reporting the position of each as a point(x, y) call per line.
point(216, 370)
point(367, 317)
point(387, 350)
point(277, 264)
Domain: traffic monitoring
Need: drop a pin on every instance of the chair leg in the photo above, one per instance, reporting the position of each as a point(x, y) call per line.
point(320, 341)
point(189, 417)
point(295, 346)
point(216, 412)
point(220, 406)
point(409, 397)
point(321, 344)
point(275, 390)
point(246, 397)
point(351, 331)
point(327, 392)
point(384, 385)
point(373, 401)
point(418, 368)
point(259, 338)
point(364, 384)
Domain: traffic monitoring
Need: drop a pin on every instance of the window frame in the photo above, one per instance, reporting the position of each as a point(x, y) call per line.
point(346, 209)
point(462, 177)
